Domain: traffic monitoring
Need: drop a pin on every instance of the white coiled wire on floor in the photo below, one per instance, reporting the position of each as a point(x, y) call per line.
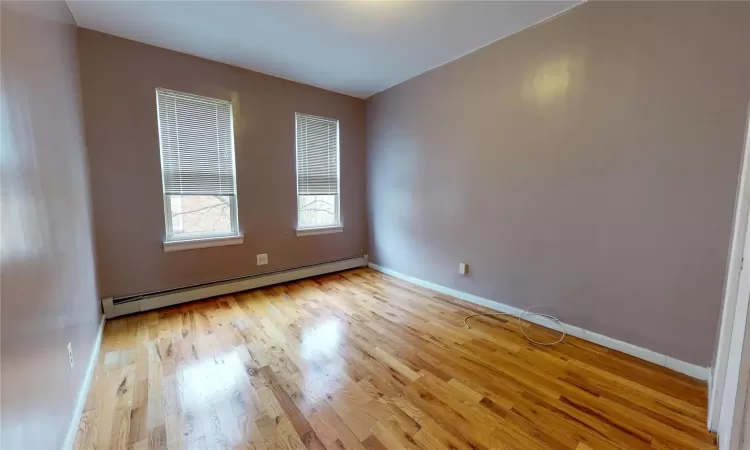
point(526, 312)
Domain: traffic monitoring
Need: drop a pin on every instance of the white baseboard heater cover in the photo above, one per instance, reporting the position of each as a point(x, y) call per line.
point(133, 304)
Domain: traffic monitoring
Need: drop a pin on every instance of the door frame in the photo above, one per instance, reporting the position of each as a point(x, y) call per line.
point(728, 383)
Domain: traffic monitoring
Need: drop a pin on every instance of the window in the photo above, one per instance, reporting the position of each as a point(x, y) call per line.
point(317, 173)
point(197, 163)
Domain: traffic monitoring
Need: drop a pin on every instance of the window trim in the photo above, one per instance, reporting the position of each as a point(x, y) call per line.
point(310, 231)
point(171, 241)
point(190, 244)
point(338, 226)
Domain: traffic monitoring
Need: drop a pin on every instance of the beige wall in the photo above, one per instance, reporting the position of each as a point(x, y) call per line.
point(118, 81)
point(589, 164)
point(48, 291)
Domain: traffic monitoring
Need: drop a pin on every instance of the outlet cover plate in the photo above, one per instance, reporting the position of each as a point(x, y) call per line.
point(262, 259)
point(70, 355)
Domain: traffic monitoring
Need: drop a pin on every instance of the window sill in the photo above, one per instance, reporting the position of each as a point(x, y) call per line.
point(322, 230)
point(190, 244)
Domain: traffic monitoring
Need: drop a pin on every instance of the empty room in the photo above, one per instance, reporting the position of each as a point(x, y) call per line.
point(374, 225)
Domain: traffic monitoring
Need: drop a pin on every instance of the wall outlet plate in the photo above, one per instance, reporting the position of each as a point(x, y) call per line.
point(262, 259)
point(70, 355)
point(463, 268)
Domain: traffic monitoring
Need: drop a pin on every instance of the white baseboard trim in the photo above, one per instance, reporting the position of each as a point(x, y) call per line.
point(155, 301)
point(83, 393)
point(692, 370)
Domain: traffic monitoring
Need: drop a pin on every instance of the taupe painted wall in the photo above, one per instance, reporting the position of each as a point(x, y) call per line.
point(47, 276)
point(588, 164)
point(118, 81)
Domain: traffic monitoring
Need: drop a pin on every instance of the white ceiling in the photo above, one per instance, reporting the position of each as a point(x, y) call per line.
point(357, 48)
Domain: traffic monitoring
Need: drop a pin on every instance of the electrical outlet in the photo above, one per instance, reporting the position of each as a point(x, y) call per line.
point(70, 355)
point(463, 268)
point(262, 259)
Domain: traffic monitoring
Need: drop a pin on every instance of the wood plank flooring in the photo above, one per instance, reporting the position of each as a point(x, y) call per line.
point(360, 360)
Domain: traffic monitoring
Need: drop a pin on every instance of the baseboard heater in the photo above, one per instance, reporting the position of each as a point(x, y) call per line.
point(114, 307)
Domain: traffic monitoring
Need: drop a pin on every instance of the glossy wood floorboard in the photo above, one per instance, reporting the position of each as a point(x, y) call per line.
point(359, 360)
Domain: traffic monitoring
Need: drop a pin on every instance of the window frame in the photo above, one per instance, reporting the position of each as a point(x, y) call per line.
point(325, 229)
point(188, 241)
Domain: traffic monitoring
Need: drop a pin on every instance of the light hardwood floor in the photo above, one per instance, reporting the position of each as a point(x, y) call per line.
point(361, 360)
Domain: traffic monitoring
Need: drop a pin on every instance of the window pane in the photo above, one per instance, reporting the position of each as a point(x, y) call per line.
point(318, 211)
point(201, 215)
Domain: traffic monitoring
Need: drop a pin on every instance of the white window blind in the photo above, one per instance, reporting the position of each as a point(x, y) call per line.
point(317, 155)
point(317, 171)
point(197, 151)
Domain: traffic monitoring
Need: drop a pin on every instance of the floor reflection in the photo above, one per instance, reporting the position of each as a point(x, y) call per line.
point(323, 339)
point(207, 381)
